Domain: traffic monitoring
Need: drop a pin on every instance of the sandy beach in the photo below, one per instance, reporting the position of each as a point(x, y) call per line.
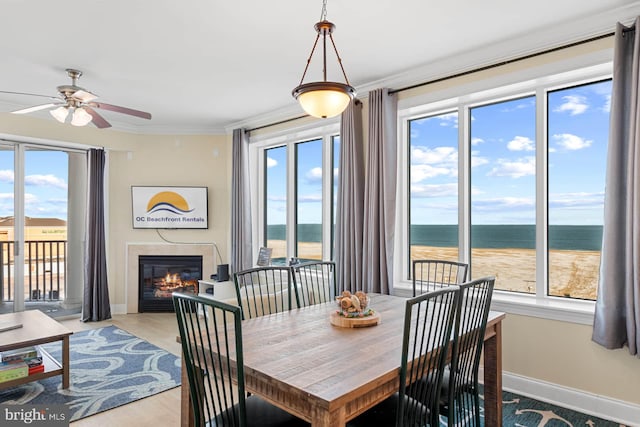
point(571, 273)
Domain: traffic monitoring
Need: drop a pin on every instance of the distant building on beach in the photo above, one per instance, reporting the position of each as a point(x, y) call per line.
point(36, 229)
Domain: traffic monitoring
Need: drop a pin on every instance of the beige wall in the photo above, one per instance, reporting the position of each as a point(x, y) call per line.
point(145, 160)
point(563, 353)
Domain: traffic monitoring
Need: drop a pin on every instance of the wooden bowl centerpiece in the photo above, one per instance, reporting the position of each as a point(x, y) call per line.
point(354, 311)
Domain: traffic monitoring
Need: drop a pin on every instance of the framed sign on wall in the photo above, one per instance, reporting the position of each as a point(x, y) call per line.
point(170, 207)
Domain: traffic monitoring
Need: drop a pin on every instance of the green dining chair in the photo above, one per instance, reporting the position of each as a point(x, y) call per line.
point(211, 337)
point(314, 282)
point(428, 325)
point(460, 397)
point(263, 290)
point(432, 274)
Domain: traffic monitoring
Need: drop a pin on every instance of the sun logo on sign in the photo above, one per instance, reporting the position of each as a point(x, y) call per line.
point(168, 201)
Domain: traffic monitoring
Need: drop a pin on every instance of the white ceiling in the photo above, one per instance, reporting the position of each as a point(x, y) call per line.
point(208, 66)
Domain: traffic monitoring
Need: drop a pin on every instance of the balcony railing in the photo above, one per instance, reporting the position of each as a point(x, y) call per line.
point(44, 270)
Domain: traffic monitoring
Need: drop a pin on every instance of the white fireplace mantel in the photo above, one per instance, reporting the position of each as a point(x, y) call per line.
point(134, 250)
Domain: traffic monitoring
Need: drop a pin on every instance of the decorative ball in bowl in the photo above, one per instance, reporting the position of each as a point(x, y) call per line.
point(354, 305)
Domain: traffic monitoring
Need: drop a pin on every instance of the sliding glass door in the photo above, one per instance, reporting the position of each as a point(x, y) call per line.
point(41, 225)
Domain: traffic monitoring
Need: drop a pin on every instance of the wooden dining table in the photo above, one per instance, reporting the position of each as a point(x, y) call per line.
point(328, 375)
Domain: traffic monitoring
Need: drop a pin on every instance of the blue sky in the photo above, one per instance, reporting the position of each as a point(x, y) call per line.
point(309, 179)
point(46, 183)
point(503, 144)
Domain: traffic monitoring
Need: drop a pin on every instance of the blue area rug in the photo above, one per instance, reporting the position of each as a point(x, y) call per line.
point(520, 411)
point(109, 368)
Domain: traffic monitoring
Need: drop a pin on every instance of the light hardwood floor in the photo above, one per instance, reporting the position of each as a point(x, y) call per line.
point(159, 410)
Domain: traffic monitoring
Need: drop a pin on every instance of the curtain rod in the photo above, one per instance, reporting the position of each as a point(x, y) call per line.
point(475, 70)
point(502, 63)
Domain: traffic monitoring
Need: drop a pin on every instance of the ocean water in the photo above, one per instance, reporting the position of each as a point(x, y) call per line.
point(567, 237)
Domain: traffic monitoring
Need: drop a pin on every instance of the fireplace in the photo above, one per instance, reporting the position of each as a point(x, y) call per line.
point(161, 275)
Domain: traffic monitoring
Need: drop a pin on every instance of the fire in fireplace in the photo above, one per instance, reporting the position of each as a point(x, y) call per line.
point(161, 275)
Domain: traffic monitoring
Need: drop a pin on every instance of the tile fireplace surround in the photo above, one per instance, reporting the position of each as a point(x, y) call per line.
point(134, 250)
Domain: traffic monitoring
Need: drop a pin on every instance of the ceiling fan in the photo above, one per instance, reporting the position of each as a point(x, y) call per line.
point(78, 103)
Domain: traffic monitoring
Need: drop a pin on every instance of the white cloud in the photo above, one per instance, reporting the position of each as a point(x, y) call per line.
point(476, 141)
point(571, 142)
point(271, 162)
point(574, 104)
point(477, 160)
point(500, 204)
point(514, 169)
point(449, 119)
point(421, 172)
point(576, 200)
point(310, 198)
point(606, 108)
point(314, 175)
point(434, 190)
point(521, 143)
point(6, 176)
point(438, 155)
point(277, 198)
point(430, 163)
point(45, 180)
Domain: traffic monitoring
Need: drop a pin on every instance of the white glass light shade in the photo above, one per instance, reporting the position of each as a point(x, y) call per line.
point(60, 113)
point(80, 117)
point(324, 99)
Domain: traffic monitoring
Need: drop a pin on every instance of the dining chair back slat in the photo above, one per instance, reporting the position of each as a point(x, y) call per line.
point(432, 274)
point(263, 290)
point(462, 402)
point(314, 282)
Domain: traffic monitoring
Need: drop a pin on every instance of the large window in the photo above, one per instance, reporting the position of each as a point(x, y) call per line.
point(433, 189)
point(275, 189)
point(578, 128)
point(298, 184)
point(308, 182)
point(515, 176)
point(503, 193)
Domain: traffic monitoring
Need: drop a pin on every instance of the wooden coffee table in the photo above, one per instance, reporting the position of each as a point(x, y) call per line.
point(37, 328)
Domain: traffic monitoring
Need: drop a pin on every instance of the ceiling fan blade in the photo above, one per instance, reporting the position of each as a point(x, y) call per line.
point(84, 96)
point(123, 110)
point(98, 120)
point(57, 98)
point(36, 108)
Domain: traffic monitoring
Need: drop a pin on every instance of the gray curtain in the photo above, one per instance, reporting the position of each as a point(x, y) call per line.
point(380, 193)
point(95, 302)
point(241, 245)
point(349, 210)
point(617, 316)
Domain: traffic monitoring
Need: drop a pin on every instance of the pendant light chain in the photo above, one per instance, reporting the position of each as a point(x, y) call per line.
point(323, 14)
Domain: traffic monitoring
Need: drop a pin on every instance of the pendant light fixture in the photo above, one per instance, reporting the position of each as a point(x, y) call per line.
point(325, 98)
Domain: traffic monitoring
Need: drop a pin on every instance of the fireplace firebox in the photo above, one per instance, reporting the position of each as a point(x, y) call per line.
point(161, 275)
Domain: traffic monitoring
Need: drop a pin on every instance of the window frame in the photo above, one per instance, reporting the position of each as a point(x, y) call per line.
point(461, 98)
point(289, 138)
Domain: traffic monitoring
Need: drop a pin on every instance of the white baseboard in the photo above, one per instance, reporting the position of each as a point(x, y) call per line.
point(597, 405)
point(118, 309)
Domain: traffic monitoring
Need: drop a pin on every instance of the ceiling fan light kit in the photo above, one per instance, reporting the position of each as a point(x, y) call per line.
point(79, 103)
point(80, 117)
point(324, 99)
point(60, 113)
